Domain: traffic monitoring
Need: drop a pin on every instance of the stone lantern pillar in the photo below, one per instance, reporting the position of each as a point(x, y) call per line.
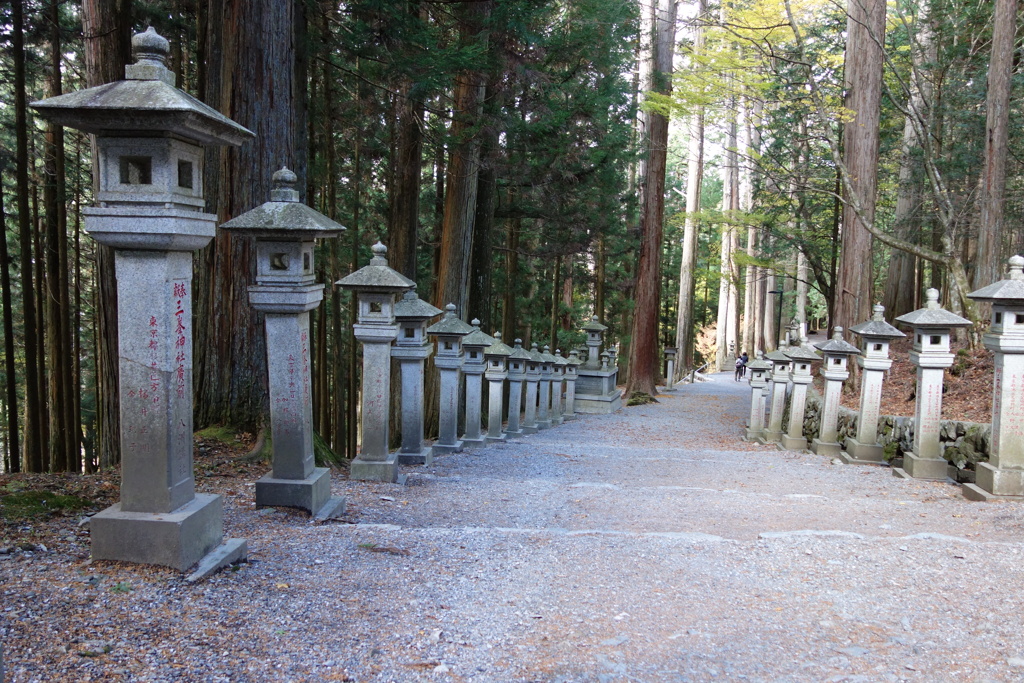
point(561, 369)
point(473, 368)
point(932, 326)
point(285, 292)
point(376, 286)
point(802, 357)
point(1002, 477)
point(532, 391)
point(670, 370)
point(759, 370)
point(780, 363)
point(836, 354)
point(517, 361)
point(449, 332)
point(497, 355)
point(150, 140)
point(411, 349)
point(547, 372)
point(572, 369)
point(875, 334)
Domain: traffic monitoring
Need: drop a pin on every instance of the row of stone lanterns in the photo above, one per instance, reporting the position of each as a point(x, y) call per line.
point(1001, 478)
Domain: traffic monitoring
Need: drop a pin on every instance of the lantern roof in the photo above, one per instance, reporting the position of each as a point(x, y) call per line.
point(559, 358)
point(594, 326)
point(498, 348)
point(837, 345)
point(476, 337)
point(933, 314)
point(574, 358)
point(778, 356)
point(546, 357)
point(1010, 290)
point(412, 307)
point(759, 363)
point(535, 355)
point(877, 327)
point(284, 215)
point(519, 353)
point(377, 276)
point(145, 102)
point(449, 324)
point(800, 352)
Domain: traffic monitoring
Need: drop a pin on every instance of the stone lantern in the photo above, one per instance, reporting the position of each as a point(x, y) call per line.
point(411, 349)
point(875, 334)
point(759, 370)
point(286, 291)
point(547, 372)
point(836, 352)
point(376, 286)
point(670, 370)
point(558, 370)
point(932, 326)
point(532, 390)
point(595, 331)
point(1002, 477)
point(473, 368)
point(449, 331)
point(801, 376)
point(517, 361)
point(572, 370)
point(497, 355)
point(780, 363)
point(150, 142)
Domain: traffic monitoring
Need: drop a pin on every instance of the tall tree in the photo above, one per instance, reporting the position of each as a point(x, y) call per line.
point(988, 266)
point(13, 461)
point(106, 33)
point(643, 346)
point(863, 81)
point(255, 75)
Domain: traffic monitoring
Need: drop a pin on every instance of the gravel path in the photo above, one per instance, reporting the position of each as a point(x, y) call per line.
point(650, 545)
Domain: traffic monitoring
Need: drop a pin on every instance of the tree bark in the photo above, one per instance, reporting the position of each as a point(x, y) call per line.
point(863, 81)
point(988, 263)
point(255, 76)
point(106, 32)
point(13, 440)
point(643, 351)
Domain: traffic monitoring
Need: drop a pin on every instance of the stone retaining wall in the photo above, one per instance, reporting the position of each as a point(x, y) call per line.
point(964, 444)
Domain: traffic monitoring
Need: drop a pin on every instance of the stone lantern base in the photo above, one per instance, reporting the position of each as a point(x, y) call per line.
point(858, 453)
point(994, 483)
point(312, 494)
point(177, 539)
point(375, 470)
point(916, 467)
point(831, 450)
point(753, 434)
point(793, 443)
point(424, 457)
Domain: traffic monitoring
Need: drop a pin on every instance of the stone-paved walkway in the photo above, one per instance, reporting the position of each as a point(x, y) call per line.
point(650, 545)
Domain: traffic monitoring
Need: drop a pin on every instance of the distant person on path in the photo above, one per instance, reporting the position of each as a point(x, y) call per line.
point(745, 358)
point(740, 366)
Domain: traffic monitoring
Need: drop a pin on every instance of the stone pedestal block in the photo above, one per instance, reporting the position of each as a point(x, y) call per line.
point(858, 453)
point(311, 493)
point(177, 539)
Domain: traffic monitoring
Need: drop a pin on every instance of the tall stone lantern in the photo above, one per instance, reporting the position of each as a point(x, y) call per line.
point(759, 370)
point(670, 370)
point(595, 333)
point(932, 326)
point(802, 358)
point(449, 332)
point(875, 334)
point(572, 372)
point(781, 364)
point(497, 355)
point(150, 140)
point(411, 349)
point(473, 368)
point(376, 286)
point(836, 352)
point(285, 292)
point(517, 361)
point(532, 390)
point(1002, 477)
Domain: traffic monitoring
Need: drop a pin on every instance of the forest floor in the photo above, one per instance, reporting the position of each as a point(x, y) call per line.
point(648, 545)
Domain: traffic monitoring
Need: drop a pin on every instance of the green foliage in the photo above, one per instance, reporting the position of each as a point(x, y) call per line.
point(29, 505)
